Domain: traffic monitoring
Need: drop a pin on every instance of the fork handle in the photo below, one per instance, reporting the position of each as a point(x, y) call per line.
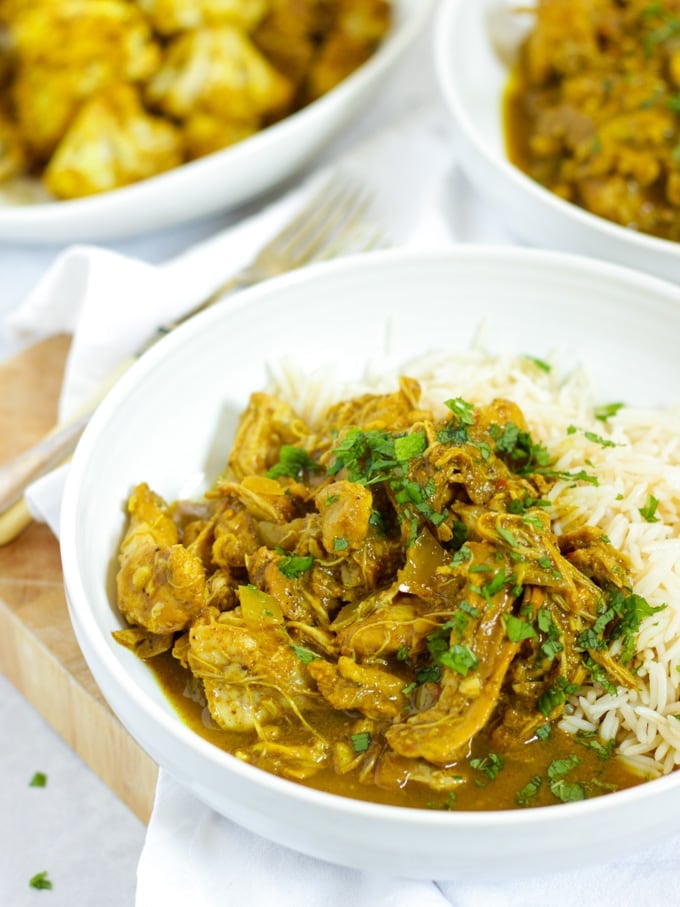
point(52, 449)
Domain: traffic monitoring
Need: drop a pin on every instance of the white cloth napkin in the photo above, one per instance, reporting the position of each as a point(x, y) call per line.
point(110, 303)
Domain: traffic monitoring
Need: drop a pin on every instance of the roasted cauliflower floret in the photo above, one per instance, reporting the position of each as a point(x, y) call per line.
point(110, 36)
point(66, 53)
point(112, 142)
point(169, 16)
point(218, 71)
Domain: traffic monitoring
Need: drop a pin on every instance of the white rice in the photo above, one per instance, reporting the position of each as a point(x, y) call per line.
point(645, 463)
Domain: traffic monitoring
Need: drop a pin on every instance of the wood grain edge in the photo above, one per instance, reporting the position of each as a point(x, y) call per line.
point(83, 721)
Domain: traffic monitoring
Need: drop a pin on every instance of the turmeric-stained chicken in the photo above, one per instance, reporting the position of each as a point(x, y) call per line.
point(367, 595)
point(96, 94)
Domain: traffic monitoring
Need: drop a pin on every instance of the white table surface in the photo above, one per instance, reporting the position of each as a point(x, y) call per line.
point(75, 829)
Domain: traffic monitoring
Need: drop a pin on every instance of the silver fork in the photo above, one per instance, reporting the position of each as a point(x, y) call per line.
point(333, 223)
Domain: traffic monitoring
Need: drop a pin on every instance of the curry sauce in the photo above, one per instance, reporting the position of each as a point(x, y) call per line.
point(500, 780)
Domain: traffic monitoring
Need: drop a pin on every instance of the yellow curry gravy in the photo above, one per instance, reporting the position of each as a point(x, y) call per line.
point(523, 780)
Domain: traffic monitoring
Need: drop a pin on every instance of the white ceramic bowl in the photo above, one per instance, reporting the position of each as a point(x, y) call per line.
point(170, 420)
point(223, 180)
point(472, 80)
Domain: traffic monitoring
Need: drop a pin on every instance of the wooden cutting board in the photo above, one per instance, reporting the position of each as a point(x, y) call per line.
point(38, 650)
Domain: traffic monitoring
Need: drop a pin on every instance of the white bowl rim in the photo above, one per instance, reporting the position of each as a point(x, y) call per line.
point(445, 28)
point(181, 732)
point(392, 47)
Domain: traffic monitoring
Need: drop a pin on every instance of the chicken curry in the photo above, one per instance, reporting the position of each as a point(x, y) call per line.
point(592, 110)
point(380, 606)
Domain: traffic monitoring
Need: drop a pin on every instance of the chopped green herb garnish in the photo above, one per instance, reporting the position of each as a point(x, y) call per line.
point(361, 741)
point(519, 506)
point(368, 456)
point(619, 618)
point(304, 655)
point(543, 731)
point(468, 608)
point(567, 792)
point(648, 512)
point(507, 536)
point(462, 409)
point(534, 521)
point(607, 410)
point(593, 742)
point(539, 363)
point(518, 630)
point(592, 436)
point(293, 461)
point(293, 566)
point(409, 446)
point(40, 881)
point(558, 768)
point(340, 544)
point(39, 779)
point(460, 659)
point(461, 556)
point(490, 765)
point(432, 674)
point(529, 791)
point(496, 584)
point(517, 448)
point(555, 696)
point(460, 533)
point(580, 476)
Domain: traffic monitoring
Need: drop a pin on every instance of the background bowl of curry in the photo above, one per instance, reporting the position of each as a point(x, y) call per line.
point(170, 421)
point(215, 182)
point(473, 78)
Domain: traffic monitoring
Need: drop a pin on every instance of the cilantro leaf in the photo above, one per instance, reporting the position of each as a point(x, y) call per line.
point(464, 411)
point(293, 566)
point(648, 512)
point(40, 881)
point(360, 741)
point(304, 655)
point(518, 630)
point(293, 461)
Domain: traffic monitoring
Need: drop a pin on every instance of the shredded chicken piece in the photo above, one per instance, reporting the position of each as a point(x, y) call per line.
point(160, 583)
